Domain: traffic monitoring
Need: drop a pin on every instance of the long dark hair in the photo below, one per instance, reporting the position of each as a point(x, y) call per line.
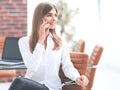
point(41, 10)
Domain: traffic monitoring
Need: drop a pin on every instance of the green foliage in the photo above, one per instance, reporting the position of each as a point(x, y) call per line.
point(66, 14)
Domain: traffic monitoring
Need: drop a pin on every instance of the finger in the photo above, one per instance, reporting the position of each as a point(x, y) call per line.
point(44, 26)
point(87, 82)
point(84, 82)
point(47, 25)
point(83, 87)
point(79, 82)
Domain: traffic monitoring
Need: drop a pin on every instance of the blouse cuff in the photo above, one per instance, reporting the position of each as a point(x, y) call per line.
point(75, 78)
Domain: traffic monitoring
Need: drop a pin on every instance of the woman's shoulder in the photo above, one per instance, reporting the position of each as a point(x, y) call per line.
point(24, 39)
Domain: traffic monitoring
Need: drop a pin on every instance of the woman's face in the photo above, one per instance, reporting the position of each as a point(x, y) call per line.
point(51, 18)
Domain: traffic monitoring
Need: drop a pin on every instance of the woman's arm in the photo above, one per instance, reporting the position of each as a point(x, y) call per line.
point(31, 60)
point(68, 68)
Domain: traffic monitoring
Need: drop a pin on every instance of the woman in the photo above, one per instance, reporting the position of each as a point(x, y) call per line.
point(44, 51)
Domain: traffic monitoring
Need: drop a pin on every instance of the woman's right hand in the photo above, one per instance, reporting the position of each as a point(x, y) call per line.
point(82, 81)
point(42, 32)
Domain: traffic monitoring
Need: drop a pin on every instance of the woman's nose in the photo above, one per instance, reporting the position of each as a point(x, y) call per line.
point(54, 18)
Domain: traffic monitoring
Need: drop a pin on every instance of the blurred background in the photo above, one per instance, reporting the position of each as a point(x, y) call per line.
point(95, 21)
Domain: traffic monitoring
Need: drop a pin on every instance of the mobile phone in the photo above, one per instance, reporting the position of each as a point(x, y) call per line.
point(43, 20)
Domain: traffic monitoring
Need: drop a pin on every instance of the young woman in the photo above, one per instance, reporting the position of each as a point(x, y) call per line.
point(44, 51)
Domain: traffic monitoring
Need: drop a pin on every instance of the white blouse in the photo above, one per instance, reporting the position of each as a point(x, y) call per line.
point(43, 64)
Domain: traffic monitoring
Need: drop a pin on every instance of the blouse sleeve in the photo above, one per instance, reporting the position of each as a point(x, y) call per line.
point(68, 68)
point(31, 60)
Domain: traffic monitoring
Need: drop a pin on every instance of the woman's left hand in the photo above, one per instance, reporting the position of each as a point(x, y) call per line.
point(82, 81)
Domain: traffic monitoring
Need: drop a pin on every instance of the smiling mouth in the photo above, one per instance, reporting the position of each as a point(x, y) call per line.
point(53, 24)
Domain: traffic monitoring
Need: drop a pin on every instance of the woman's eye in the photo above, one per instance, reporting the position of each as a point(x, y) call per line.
point(56, 15)
point(49, 15)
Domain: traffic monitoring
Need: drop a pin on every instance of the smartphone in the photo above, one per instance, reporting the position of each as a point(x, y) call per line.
point(43, 20)
point(48, 28)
